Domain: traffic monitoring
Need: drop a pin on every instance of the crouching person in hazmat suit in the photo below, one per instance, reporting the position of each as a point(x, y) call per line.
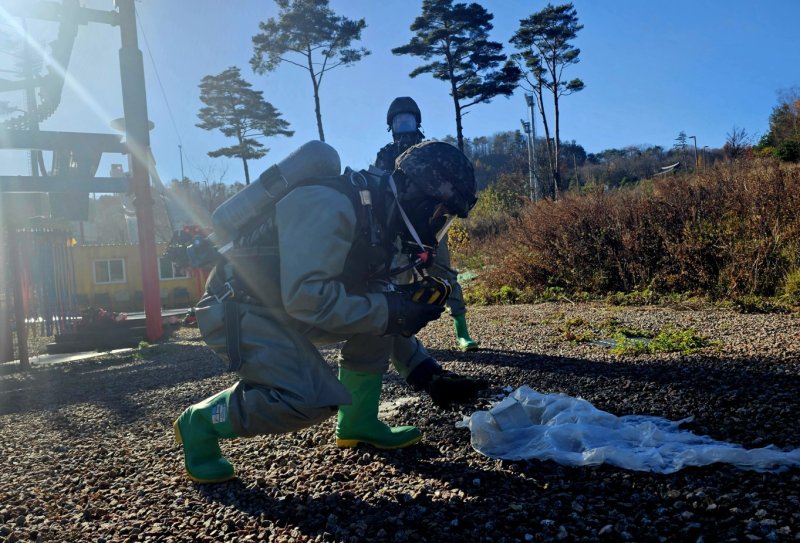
point(313, 270)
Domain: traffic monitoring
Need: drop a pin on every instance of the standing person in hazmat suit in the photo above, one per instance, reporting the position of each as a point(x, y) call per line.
point(313, 270)
point(404, 119)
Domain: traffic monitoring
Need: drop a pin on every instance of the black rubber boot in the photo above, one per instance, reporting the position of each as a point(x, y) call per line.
point(445, 387)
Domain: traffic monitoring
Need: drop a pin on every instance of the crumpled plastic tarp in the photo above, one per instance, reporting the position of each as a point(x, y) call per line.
point(571, 431)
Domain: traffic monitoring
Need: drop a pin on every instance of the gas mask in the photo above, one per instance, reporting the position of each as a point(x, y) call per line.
point(404, 129)
point(427, 222)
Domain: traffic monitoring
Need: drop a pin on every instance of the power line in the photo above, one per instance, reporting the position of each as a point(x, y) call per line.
point(158, 78)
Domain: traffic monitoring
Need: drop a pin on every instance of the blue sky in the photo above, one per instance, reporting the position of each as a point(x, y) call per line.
point(651, 68)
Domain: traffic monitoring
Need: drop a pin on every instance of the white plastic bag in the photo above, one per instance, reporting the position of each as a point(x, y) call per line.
point(571, 431)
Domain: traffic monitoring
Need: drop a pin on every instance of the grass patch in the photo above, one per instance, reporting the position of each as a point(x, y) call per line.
point(577, 330)
point(142, 349)
point(631, 340)
point(669, 340)
point(634, 298)
point(757, 305)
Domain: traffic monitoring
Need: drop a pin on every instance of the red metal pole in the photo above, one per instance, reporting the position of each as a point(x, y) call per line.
point(137, 137)
point(19, 308)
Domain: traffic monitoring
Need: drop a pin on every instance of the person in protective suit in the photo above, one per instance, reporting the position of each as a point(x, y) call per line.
point(404, 119)
point(316, 270)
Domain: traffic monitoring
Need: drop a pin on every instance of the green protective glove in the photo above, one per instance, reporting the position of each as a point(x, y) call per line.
point(199, 429)
point(358, 422)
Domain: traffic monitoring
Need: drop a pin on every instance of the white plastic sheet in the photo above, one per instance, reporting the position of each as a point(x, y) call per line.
point(571, 431)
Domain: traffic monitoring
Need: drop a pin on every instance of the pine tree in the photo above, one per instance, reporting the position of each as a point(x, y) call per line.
point(544, 43)
point(457, 35)
point(238, 111)
point(310, 31)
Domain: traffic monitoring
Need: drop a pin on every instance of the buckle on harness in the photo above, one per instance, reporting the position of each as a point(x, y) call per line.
point(228, 292)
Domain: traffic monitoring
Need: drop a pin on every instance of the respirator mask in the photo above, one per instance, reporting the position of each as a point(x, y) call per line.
point(427, 222)
point(404, 129)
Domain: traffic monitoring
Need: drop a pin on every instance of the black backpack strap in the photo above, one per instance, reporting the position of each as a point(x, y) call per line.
point(232, 334)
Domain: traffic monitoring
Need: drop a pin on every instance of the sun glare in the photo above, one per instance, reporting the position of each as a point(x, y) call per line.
point(70, 81)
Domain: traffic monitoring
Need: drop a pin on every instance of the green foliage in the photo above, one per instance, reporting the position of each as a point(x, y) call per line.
point(507, 294)
point(669, 340)
point(489, 217)
point(140, 351)
point(626, 345)
point(575, 330)
point(628, 340)
point(788, 151)
point(672, 339)
point(783, 137)
point(636, 297)
point(457, 37)
point(791, 287)
point(757, 305)
point(238, 111)
point(481, 295)
point(310, 30)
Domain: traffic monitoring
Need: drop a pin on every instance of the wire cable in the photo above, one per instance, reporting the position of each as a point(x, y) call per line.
point(158, 77)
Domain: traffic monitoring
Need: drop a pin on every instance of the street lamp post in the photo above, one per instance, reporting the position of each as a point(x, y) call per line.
point(532, 149)
point(705, 164)
point(526, 127)
point(695, 151)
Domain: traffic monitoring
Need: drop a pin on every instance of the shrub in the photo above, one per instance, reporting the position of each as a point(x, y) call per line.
point(733, 230)
point(791, 287)
point(788, 151)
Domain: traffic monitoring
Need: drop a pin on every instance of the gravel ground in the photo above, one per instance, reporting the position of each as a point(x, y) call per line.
point(89, 455)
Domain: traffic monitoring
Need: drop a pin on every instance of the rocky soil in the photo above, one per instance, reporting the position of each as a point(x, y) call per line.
point(88, 452)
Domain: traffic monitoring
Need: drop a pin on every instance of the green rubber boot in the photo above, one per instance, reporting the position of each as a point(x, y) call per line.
point(465, 343)
point(199, 428)
point(358, 423)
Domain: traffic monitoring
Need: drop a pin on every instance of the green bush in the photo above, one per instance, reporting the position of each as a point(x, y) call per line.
point(791, 287)
point(788, 151)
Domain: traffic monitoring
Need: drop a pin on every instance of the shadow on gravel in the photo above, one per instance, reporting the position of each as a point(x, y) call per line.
point(109, 383)
point(713, 389)
point(454, 509)
point(704, 373)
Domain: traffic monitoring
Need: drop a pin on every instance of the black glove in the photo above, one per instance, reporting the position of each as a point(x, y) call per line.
point(407, 317)
point(449, 387)
point(445, 387)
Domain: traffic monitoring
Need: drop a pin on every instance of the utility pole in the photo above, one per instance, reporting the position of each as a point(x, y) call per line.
point(137, 138)
point(695, 151)
point(180, 150)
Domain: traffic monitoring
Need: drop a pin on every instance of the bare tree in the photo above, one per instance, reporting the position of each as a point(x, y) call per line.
point(736, 142)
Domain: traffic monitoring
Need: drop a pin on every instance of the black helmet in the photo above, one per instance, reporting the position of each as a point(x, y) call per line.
point(403, 104)
point(438, 171)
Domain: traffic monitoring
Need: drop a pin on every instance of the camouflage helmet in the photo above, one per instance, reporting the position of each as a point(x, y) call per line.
point(438, 170)
point(403, 104)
